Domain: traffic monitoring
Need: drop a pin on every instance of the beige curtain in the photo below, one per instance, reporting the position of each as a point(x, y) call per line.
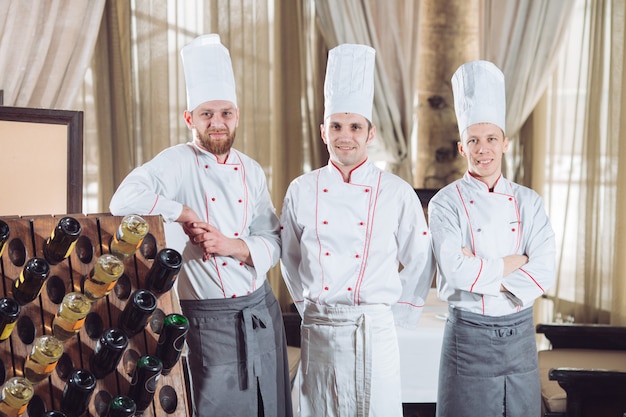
point(617, 133)
point(45, 50)
point(389, 27)
point(139, 90)
point(583, 133)
point(524, 38)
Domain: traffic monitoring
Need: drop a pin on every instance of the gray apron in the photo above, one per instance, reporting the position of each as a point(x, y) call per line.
point(238, 356)
point(489, 366)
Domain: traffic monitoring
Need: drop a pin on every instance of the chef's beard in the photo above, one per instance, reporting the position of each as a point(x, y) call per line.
point(216, 147)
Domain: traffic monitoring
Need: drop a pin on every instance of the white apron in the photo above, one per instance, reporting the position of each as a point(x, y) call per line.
point(355, 353)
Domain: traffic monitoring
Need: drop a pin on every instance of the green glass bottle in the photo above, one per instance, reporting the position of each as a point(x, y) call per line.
point(62, 240)
point(9, 312)
point(5, 233)
point(122, 406)
point(144, 382)
point(31, 280)
point(77, 392)
point(163, 272)
point(171, 340)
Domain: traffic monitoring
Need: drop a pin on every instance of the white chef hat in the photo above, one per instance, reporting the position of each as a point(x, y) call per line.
point(349, 83)
point(208, 71)
point(479, 95)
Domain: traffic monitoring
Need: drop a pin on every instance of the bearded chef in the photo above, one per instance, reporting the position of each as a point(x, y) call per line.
point(347, 229)
point(237, 351)
point(495, 252)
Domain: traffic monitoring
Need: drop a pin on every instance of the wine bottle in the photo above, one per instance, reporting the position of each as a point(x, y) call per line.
point(171, 340)
point(5, 233)
point(77, 392)
point(43, 358)
point(16, 394)
point(144, 381)
point(71, 315)
point(31, 280)
point(129, 235)
point(137, 310)
point(54, 413)
point(103, 276)
point(122, 406)
point(62, 240)
point(108, 352)
point(9, 311)
point(163, 272)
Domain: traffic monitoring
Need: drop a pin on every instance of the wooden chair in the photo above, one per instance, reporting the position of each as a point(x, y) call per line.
point(584, 373)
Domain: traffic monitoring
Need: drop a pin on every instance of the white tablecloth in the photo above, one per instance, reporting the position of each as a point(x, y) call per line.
point(420, 349)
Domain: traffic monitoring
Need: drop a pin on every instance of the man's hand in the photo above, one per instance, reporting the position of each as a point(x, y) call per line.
point(214, 243)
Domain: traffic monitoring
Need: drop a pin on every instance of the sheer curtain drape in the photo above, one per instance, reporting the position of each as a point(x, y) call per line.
point(389, 27)
point(586, 105)
point(523, 38)
point(45, 50)
point(139, 91)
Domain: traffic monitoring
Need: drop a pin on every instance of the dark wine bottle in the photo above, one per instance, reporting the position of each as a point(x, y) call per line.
point(77, 392)
point(54, 413)
point(171, 340)
point(31, 280)
point(144, 382)
point(9, 311)
point(163, 272)
point(122, 406)
point(5, 232)
point(62, 240)
point(137, 310)
point(108, 352)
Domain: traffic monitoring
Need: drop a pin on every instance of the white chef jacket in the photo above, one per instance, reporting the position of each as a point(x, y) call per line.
point(343, 242)
point(509, 220)
point(232, 196)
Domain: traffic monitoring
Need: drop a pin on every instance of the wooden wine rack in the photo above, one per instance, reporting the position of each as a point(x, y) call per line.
point(28, 235)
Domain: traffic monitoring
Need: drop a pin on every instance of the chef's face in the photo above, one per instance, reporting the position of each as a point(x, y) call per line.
point(483, 145)
point(214, 124)
point(346, 136)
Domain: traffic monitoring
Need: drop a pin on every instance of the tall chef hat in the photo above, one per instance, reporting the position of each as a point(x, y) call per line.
point(479, 96)
point(349, 83)
point(208, 71)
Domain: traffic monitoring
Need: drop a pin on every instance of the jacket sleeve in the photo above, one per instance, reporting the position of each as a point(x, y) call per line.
point(291, 234)
point(538, 275)
point(148, 190)
point(416, 258)
point(263, 239)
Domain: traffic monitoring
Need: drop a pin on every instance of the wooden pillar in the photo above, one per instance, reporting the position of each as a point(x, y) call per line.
point(449, 36)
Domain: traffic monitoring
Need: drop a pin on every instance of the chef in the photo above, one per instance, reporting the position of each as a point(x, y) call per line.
point(356, 256)
point(495, 252)
point(237, 350)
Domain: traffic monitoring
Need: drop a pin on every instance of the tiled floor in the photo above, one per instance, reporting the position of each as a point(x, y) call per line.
point(419, 410)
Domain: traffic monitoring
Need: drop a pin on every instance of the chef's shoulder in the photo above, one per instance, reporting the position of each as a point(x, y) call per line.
point(176, 152)
point(446, 196)
point(304, 183)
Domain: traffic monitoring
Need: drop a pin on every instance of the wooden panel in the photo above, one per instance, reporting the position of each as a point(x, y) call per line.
point(28, 235)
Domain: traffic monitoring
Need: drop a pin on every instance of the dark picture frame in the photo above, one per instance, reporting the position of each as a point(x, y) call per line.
point(21, 121)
